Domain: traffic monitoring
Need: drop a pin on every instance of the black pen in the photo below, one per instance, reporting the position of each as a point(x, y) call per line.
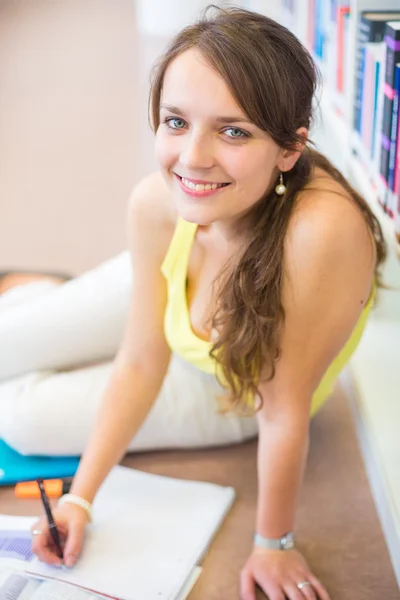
point(50, 519)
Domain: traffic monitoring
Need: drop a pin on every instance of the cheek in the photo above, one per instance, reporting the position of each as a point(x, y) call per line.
point(163, 149)
point(252, 170)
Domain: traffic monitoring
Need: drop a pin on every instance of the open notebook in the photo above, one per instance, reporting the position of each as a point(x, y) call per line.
point(149, 532)
point(16, 556)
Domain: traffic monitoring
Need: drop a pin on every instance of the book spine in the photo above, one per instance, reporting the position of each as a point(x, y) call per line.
point(318, 41)
point(396, 195)
point(392, 56)
point(391, 197)
point(379, 124)
point(397, 217)
point(362, 38)
point(368, 101)
point(397, 165)
point(377, 66)
point(341, 12)
point(393, 132)
point(348, 72)
point(368, 31)
point(332, 10)
point(331, 53)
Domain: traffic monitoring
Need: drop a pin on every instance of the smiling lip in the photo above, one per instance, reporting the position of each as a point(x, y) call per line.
point(198, 194)
point(200, 181)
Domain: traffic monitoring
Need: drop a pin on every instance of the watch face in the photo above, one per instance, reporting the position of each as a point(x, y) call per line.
point(287, 542)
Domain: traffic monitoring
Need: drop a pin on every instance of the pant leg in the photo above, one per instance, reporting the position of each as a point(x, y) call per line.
point(72, 324)
point(52, 412)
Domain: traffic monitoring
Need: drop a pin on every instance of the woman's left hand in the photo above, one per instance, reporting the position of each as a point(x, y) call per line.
point(278, 573)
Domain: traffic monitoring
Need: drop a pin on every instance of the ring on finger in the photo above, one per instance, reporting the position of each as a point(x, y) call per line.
point(303, 584)
point(36, 532)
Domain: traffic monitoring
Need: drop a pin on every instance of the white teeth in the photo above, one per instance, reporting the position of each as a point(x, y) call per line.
point(200, 187)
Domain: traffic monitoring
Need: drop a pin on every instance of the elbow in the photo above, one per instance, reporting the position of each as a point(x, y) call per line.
point(291, 421)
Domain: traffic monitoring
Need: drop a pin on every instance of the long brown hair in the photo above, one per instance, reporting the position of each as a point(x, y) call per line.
point(273, 79)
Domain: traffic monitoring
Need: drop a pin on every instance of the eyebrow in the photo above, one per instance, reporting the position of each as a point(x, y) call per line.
point(235, 119)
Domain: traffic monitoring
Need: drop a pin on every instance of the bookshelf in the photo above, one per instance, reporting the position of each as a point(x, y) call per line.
point(333, 103)
point(371, 381)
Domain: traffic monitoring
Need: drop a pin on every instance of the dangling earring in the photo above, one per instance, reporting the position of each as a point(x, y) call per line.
point(281, 187)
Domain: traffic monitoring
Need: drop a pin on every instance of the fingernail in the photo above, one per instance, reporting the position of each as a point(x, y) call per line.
point(69, 561)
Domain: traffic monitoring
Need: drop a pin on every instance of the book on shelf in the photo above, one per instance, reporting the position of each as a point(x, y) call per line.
point(372, 60)
point(328, 39)
point(378, 117)
point(370, 30)
point(376, 103)
point(358, 53)
point(390, 110)
point(394, 137)
point(342, 20)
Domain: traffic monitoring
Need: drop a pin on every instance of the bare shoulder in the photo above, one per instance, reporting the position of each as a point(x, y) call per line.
point(328, 230)
point(151, 214)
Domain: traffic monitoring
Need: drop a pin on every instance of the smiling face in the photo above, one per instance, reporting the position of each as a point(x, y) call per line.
point(204, 136)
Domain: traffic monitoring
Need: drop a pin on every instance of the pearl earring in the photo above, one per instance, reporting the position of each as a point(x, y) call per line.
point(281, 187)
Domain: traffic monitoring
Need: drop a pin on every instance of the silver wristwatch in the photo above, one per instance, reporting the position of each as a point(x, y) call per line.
point(286, 542)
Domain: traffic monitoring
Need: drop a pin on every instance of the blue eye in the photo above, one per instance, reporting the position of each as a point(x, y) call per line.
point(242, 133)
point(168, 120)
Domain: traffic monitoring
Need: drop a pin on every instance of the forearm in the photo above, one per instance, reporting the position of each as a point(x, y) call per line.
point(128, 398)
point(282, 452)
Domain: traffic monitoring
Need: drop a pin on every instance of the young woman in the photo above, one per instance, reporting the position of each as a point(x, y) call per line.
point(254, 268)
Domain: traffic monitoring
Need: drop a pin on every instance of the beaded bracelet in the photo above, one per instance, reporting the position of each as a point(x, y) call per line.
point(78, 501)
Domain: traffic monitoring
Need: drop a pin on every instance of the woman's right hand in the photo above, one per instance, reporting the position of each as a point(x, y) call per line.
point(71, 521)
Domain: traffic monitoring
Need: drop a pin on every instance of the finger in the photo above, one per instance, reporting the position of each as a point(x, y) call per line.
point(319, 589)
point(49, 556)
point(273, 592)
point(44, 549)
point(247, 587)
point(73, 546)
point(305, 592)
point(309, 592)
point(39, 539)
point(292, 591)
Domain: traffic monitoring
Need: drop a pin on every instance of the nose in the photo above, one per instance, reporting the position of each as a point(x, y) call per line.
point(197, 152)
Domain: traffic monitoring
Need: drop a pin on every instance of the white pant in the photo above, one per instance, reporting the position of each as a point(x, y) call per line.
point(57, 344)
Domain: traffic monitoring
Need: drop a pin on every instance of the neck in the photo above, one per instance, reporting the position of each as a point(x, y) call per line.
point(228, 234)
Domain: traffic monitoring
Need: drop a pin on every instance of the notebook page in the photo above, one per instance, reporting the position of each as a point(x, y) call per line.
point(148, 533)
point(15, 542)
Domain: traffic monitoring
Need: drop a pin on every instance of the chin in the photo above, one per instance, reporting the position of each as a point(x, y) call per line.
point(194, 214)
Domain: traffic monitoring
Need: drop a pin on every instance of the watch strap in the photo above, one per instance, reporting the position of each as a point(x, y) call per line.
point(286, 542)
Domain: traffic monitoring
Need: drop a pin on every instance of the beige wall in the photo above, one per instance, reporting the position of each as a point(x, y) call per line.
point(73, 130)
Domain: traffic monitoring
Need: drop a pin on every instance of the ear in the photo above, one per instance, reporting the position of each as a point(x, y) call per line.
point(288, 158)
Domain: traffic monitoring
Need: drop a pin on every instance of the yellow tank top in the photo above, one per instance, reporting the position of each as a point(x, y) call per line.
point(183, 341)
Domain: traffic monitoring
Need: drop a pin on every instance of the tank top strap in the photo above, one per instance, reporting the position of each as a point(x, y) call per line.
point(179, 248)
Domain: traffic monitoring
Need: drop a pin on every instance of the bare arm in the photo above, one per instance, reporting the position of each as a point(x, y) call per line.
point(328, 269)
point(143, 357)
point(139, 368)
point(327, 283)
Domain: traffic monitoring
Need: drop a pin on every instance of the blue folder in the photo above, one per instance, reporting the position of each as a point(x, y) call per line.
point(15, 467)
